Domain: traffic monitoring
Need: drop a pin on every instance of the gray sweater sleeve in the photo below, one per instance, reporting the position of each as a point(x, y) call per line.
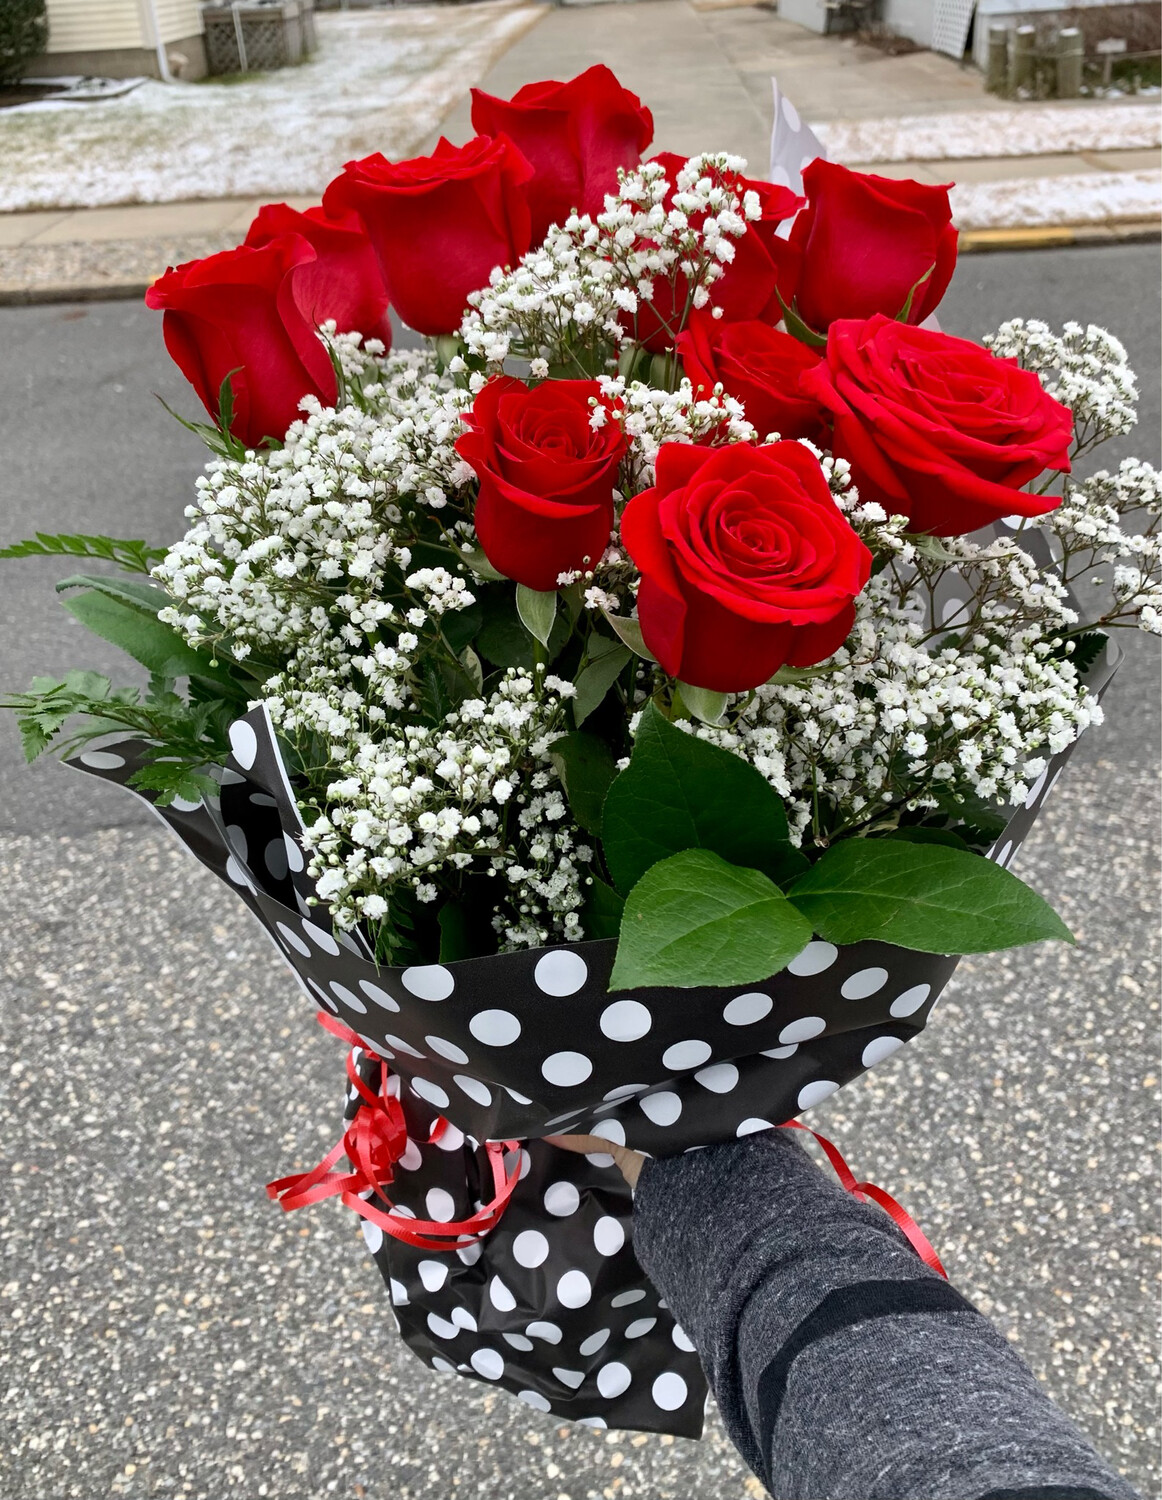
point(842, 1366)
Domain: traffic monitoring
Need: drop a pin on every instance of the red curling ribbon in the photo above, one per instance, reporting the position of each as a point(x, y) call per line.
point(862, 1191)
point(373, 1142)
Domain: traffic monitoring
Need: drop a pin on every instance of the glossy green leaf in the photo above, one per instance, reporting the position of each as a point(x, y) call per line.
point(706, 706)
point(537, 612)
point(606, 660)
point(630, 633)
point(601, 913)
point(159, 648)
point(584, 762)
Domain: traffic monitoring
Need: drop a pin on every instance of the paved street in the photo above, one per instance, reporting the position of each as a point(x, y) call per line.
point(166, 1331)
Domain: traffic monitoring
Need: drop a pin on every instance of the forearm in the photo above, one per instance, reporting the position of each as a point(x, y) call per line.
point(844, 1367)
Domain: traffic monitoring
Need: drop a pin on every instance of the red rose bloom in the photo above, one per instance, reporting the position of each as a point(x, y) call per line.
point(759, 367)
point(238, 314)
point(546, 475)
point(746, 563)
point(863, 243)
point(575, 134)
point(936, 428)
point(344, 282)
point(747, 290)
point(439, 224)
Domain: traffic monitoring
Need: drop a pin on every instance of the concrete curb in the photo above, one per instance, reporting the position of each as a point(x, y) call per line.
point(972, 242)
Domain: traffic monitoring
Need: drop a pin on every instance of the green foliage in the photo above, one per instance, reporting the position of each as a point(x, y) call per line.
point(134, 557)
point(537, 612)
point(218, 437)
point(23, 36)
point(584, 762)
point(606, 660)
point(694, 920)
point(681, 793)
point(924, 896)
point(601, 914)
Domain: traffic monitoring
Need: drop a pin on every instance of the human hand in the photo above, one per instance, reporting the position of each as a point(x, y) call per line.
point(629, 1162)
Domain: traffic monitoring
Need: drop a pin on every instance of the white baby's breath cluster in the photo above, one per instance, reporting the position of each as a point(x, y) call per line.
point(1086, 369)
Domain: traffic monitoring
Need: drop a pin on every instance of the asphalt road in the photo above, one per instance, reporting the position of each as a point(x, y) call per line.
point(165, 1331)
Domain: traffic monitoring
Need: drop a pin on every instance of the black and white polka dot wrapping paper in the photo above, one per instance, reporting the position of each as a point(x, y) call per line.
point(553, 1305)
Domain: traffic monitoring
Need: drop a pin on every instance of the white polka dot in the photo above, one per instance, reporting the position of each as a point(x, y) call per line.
point(440, 1204)
point(802, 1030)
point(612, 1380)
point(378, 996)
point(526, 1162)
point(753, 1126)
point(599, 1159)
point(780, 176)
point(412, 1158)
point(446, 1049)
point(184, 805)
point(500, 1296)
point(862, 983)
point(879, 1048)
point(433, 1274)
point(625, 1090)
point(780, 1052)
point(101, 760)
point(401, 1046)
point(518, 1341)
point(1005, 854)
point(399, 1292)
point(372, 1235)
point(479, 1092)
point(239, 876)
point(533, 1399)
point(470, 1254)
point(562, 1199)
point(627, 1299)
point(464, 1319)
point(663, 1108)
point(274, 857)
point(608, 1235)
point(790, 113)
point(1012, 522)
point(571, 1378)
point(814, 1093)
point(745, 1010)
point(625, 1021)
point(488, 1363)
point(951, 609)
point(400, 1212)
point(450, 1139)
point(549, 1332)
point(530, 1248)
point(598, 1422)
point(244, 744)
point(444, 1366)
point(594, 1342)
point(669, 1390)
point(1035, 789)
point(348, 997)
point(574, 1289)
point(814, 958)
point(560, 972)
point(294, 855)
point(639, 1327)
point(495, 1028)
point(428, 982)
point(321, 939)
point(681, 1339)
point(566, 1069)
point(432, 1092)
point(719, 1078)
point(570, 1117)
point(236, 838)
point(683, 1056)
point(910, 1001)
point(293, 940)
point(441, 1327)
point(610, 1130)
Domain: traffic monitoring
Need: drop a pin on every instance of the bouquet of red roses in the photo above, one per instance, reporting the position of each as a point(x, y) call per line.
point(622, 710)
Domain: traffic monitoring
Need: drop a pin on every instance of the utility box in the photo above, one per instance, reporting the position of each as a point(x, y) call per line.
point(254, 36)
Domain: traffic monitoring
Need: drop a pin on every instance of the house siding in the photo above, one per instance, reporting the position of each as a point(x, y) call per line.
point(110, 25)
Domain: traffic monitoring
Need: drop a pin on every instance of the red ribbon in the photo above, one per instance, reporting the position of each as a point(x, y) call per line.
point(862, 1191)
point(373, 1142)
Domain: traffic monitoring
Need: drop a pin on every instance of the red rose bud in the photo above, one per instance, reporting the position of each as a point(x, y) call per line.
point(546, 475)
point(344, 282)
point(864, 244)
point(759, 367)
point(238, 314)
point(439, 224)
point(747, 290)
point(575, 134)
point(746, 563)
point(936, 428)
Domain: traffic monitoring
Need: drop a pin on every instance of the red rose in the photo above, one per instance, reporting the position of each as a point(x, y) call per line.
point(546, 477)
point(936, 428)
point(747, 290)
point(746, 561)
point(344, 282)
point(439, 223)
point(575, 134)
point(239, 312)
point(863, 243)
point(759, 367)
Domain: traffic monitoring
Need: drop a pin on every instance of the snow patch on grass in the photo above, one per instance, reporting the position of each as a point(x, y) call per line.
point(1088, 198)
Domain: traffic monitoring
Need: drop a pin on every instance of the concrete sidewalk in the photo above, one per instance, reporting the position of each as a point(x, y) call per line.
point(705, 69)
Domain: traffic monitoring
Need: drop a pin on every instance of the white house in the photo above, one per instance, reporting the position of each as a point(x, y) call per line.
point(123, 38)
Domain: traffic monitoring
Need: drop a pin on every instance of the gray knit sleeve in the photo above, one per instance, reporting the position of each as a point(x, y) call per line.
point(843, 1367)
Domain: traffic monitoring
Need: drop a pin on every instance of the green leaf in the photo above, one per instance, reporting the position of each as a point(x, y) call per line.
point(504, 641)
point(606, 660)
point(472, 665)
point(694, 920)
point(134, 557)
point(158, 647)
point(796, 327)
point(537, 612)
point(922, 896)
point(173, 778)
point(678, 793)
point(146, 597)
point(1087, 648)
point(905, 312)
point(585, 765)
point(601, 913)
point(917, 835)
point(987, 818)
point(474, 558)
point(455, 937)
point(630, 634)
point(706, 706)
